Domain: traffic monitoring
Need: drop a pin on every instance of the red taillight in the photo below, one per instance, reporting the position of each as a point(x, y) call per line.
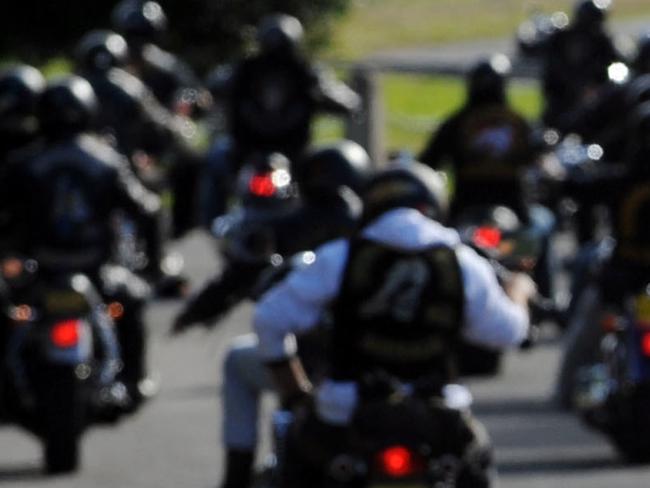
point(397, 462)
point(645, 344)
point(66, 333)
point(489, 237)
point(262, 185)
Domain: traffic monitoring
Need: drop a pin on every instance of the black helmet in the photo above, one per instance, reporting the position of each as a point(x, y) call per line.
point(641, 63)
point(590, 13)
point(67, 107)
point(414, 186)
point(100, 50)
point(328, 168)
point(486, 80)
point(20, 88)
point(279, 33)
point(145, 21)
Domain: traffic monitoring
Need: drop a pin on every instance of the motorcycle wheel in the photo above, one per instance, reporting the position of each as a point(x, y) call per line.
point(630, 431)
point(62, 412)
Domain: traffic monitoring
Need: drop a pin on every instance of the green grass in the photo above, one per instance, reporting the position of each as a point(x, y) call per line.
point(56, 67)
point(414, 105)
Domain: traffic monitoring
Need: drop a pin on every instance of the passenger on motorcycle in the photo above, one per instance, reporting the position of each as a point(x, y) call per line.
point(401, 282)
point(576, 60)
point(489, 146)
point(62, 199)
point(333, 176)
point(274, 96)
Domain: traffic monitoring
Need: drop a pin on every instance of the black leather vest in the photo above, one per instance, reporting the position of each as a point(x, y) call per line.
point(398, 311)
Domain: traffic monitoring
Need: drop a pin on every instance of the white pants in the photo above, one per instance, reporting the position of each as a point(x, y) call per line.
point(245, 378)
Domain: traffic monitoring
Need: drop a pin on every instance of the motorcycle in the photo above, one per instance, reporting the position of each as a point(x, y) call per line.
point(533, 33)
point(612, 388)
point(398, 437)
point(246, 236)
point(498, 234)
point(60, 359)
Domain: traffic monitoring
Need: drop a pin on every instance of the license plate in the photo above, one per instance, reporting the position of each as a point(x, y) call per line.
point(60, 302)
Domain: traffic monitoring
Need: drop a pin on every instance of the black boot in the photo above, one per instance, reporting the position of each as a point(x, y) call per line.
point(239, 469)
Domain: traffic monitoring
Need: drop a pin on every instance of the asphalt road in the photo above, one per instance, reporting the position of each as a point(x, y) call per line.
point(455, 58)
point(174, 440)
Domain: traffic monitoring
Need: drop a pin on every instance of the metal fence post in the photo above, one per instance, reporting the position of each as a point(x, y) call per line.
point(368, 128)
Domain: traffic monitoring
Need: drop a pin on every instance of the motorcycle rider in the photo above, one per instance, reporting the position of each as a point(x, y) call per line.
point(576, 60)
point(20, 88)
point(143, 24)
point(274, 96)
point(329, 178)
point(489, 146)
point(130, 115)
point(392, 273)
point(138, 125)
point(620, 264)
point(61, 200)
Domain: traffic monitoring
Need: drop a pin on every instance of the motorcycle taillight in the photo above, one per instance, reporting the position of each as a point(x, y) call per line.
point(399, 462)
point(66, 333)
point(645, 344)
point(262, 185)
point(487, 237)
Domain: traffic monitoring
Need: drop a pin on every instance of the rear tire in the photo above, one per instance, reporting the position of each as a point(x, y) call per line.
point(62, 412)
point(630, 426)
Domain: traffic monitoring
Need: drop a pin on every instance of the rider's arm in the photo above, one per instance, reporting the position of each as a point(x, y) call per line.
point(142, 205)
point(295, 305)
point(132, 195)
point(333, 95)
point(492, 317)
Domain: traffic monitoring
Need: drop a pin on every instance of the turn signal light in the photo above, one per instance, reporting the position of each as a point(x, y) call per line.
point(115, 310)
point(65, 333)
